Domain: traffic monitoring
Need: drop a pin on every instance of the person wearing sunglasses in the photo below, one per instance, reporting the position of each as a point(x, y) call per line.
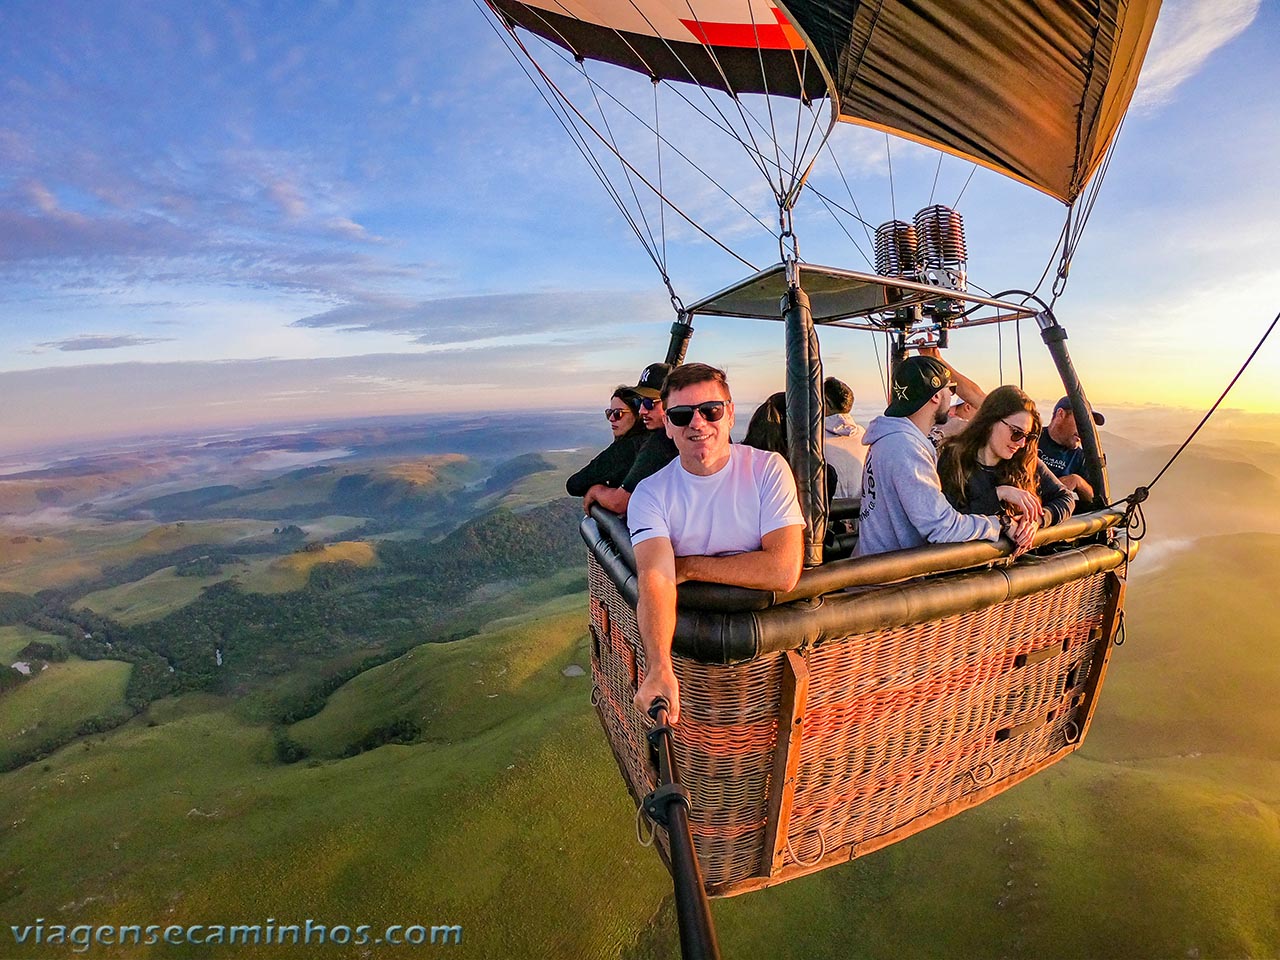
point(652, 454)
point(609, 467)
point(992, 467)
point(903, 504)
point(720, 513)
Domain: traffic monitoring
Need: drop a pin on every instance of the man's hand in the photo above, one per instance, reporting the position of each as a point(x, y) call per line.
point(1023, 502)
point(660, 681)
point(611, 498)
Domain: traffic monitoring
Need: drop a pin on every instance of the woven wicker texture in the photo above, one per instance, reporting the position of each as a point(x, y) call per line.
point(896, 723)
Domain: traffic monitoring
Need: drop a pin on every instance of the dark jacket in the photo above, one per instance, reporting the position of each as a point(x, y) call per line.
point(610, 466)
point(981, 491)
point(655, 453)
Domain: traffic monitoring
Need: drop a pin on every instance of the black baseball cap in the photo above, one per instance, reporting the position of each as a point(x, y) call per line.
point(651, 378)
point(1065, 404)
point(914, 381)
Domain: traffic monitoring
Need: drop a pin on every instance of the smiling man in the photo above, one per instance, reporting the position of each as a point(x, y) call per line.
point(720, 513)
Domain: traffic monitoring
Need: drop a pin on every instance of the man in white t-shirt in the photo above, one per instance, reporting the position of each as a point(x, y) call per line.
point(720, 513)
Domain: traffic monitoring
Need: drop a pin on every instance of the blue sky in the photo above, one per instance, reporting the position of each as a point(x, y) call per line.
point(229, 213)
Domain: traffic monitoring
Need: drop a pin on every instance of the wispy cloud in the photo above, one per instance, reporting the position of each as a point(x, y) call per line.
point(1186, 34)
point(101, 342)
point(459, 319)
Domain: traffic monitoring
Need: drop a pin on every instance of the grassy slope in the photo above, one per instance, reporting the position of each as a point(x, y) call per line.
point(156, 595)
point(13, 639)
point(52, 702)
point(496, 830)
point(83, 553)
point(453, 691)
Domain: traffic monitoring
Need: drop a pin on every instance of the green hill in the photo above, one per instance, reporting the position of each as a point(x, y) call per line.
point(55, 702)
point(504, 812)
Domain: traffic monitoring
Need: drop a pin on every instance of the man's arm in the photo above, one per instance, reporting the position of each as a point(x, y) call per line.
point(919, 490)
point(1078, 485)
point(966, 389)
point(775, 566)
point(611, 498)
point(656, 615)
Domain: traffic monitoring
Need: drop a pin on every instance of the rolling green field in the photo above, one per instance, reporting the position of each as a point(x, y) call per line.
point(503, 811)
point(54, 701)
point(62, 558)
point(1161, 838)
point(156, 595)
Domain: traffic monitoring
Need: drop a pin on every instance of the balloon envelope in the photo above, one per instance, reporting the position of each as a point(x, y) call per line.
point(1033, 90)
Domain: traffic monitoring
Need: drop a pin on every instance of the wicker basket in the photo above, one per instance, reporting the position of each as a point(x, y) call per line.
point(801, 758)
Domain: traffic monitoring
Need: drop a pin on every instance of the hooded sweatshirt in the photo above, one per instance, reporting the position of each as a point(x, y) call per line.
point(845, 452)
point(902, 501)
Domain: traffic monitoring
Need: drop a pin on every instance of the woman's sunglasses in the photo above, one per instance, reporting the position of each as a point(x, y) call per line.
point(615, 413)
point(1016, 434)
point(682, 416)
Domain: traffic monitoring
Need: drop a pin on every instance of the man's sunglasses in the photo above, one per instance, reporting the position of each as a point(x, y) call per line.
point(1017, 434)
point(682, 416)
point(649, 402)
point(615, 413)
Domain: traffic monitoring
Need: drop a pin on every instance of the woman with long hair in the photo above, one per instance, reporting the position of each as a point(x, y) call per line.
point(610, 465)
point(992, 465)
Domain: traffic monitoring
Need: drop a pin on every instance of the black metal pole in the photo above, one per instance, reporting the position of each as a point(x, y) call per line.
point(668, 805)
point(804, 420)
point(1054, 336)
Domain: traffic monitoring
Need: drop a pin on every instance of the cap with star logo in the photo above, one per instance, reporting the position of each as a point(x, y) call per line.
point(914, 381)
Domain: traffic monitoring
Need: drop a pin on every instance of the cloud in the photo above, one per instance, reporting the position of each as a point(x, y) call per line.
point(461, 319)
point(91, 341)
point(1186, 34)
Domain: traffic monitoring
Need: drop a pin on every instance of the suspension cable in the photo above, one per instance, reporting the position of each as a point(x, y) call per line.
point(586, 123)
point(1141, 493)
point(671, 146)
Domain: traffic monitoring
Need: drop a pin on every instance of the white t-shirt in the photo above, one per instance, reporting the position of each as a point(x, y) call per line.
point(726, 513)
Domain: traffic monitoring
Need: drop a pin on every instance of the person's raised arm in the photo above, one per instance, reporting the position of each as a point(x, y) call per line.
point(775, 566)
point(656, 616)
point(966, 389)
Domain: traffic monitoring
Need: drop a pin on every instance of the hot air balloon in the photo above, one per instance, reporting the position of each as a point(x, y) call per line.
point(886, 693)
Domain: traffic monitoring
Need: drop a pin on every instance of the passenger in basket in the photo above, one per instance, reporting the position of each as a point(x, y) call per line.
point(1060, 449)
point(720, 513)
point(844, 446)
point(609, 467)
point(992, 467)
point(768, 431)
point(652, 455)
point(902, 501)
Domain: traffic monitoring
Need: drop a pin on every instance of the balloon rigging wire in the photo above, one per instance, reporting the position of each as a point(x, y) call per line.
point(965, 187)
point(568, 105)
point(1206, 417)
point(840, 223)
point(575, 136)
point(613, 145)
point(675, 149)
point(893, 204)
point(662, 207)
point(936, 170)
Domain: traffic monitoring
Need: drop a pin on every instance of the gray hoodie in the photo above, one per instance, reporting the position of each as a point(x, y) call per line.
point(902, 501)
